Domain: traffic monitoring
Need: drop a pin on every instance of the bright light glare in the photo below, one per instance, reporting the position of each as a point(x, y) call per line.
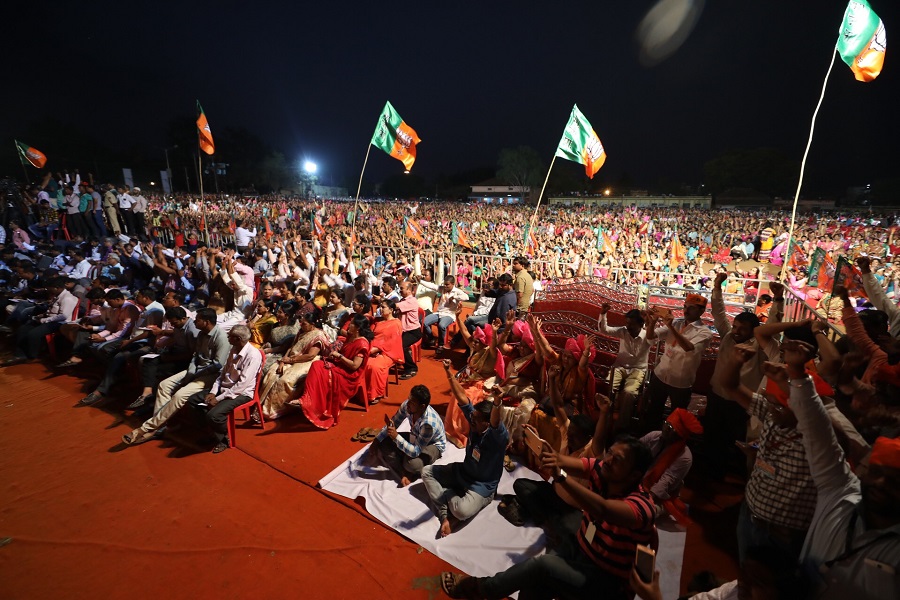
point(606, 192)
point(665, 28)
point(309, 166)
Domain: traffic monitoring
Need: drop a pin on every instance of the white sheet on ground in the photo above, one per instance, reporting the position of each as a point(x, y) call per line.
point(487, 544)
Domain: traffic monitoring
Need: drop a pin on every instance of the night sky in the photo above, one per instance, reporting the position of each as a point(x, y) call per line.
point(470, 77)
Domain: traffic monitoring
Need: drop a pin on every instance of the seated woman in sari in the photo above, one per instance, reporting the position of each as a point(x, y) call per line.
point(330, 383)
point(386, 350)
point(479, 375)
point(282, 335)
point(361, 305)
point(261, 322)
point(279, 384)
point(334, 314)
point(522, 369)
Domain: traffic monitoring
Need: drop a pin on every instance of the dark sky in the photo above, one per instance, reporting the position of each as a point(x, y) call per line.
point(471, 77)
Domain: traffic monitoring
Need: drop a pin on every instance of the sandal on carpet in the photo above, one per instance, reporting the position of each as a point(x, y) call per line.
point(68, 363)
point(457, 585)
point(135, 437)
point(358, 434)
point(368, 435)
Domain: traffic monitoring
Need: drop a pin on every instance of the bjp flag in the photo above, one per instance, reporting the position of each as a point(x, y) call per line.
point(395, 137)
point(34, 156)
point(205, 133)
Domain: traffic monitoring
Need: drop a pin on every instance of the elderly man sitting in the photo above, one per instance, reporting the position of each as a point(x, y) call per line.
point(235, 386)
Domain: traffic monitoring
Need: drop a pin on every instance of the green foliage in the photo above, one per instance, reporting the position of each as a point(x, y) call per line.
point(764, 169)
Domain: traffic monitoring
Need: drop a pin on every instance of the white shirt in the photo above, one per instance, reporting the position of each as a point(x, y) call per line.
point(634, 352)
point(242, 236)
point(125, 201)
point(678, 367)
point(81, 271)
point(450, 300)
point(238, 376)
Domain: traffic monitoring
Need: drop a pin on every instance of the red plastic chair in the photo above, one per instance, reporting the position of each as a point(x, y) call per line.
point(360, 387)
point(50, 338)
point(248, 405)
point(416, 349)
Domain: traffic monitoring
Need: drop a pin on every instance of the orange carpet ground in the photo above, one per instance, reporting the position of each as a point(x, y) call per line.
point(83, 517)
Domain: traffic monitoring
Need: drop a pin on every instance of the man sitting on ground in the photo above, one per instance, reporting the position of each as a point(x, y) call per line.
point(406, 454)
point(479, 474)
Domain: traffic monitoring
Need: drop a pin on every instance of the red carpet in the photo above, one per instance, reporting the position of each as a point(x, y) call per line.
point(88, 519)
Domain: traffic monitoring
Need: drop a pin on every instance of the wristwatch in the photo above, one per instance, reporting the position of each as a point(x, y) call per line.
point(561, 477)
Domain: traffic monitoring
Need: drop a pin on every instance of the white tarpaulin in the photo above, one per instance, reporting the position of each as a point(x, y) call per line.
point(486, 544)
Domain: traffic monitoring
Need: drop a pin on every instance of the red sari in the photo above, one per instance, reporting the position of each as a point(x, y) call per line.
point(388, 337)
point(329, 386)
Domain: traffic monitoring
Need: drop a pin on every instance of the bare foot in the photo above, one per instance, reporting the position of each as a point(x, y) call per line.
point(404, 481)
point(445, 528)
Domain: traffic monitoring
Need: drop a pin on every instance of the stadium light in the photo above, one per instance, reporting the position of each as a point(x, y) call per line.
point(310, 167)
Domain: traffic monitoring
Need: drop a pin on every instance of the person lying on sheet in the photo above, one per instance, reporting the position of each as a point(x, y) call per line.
point(478, 476)
point(406, 454)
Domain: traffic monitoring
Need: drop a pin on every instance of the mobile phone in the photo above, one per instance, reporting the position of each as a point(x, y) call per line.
point(376, 290)
point(644, 562)
point(534, 443)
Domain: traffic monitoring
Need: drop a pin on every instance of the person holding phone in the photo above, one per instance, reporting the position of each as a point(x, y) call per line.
point(406, 454)
point(618, 514)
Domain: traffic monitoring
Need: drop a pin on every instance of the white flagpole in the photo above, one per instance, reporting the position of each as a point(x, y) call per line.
point(356, 204)
point(803, 167)
point(538, 206)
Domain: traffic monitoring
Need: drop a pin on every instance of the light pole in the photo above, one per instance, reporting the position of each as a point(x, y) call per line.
point(310, 168)
point(168, 168)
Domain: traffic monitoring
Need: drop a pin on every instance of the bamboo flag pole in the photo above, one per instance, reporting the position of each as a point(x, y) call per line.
point(356, 204)
point(202, 199)
point(803, 168)
point(21, 160)
point(538, 206)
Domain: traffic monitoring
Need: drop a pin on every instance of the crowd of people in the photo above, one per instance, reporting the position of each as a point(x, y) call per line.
point(310, 304)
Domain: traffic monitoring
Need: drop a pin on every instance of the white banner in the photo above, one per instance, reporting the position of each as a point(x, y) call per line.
point(129, 178)
point(166, 184)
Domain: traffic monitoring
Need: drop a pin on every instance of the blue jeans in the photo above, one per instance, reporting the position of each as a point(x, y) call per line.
point(442, 322)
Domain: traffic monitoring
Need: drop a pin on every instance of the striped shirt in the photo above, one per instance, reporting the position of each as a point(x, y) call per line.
point(780, 489)
point(613, 546)
point(427, 430)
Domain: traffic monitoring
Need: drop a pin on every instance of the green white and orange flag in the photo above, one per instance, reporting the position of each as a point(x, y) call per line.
point(37, 158)
point(862, 40)
point(849, 276)
point(412, 229)
point(581, 144)
point(206, 138)
point(395, 137)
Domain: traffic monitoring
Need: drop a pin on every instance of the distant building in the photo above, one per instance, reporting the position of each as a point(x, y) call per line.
point(495, 191)
point(636, 201)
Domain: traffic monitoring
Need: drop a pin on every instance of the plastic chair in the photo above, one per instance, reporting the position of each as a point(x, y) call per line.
point(248, 405)
point(360, 387)
point(416, 349)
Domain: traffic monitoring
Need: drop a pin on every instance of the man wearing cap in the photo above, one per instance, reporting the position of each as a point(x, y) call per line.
point(140, 214)
point(853, 546)
point(780, 497)
point(672, 460)
point(126, 210)
point(686, 339)
point(110, 205)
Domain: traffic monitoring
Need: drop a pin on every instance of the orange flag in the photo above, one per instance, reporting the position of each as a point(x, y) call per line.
point(206, 139)
point(676, 254)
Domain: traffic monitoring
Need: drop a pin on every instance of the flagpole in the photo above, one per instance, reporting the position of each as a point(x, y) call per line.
point(356, 204)
point(538, 206)
point(803, 163)
point(21, 160)
point(202, 200)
